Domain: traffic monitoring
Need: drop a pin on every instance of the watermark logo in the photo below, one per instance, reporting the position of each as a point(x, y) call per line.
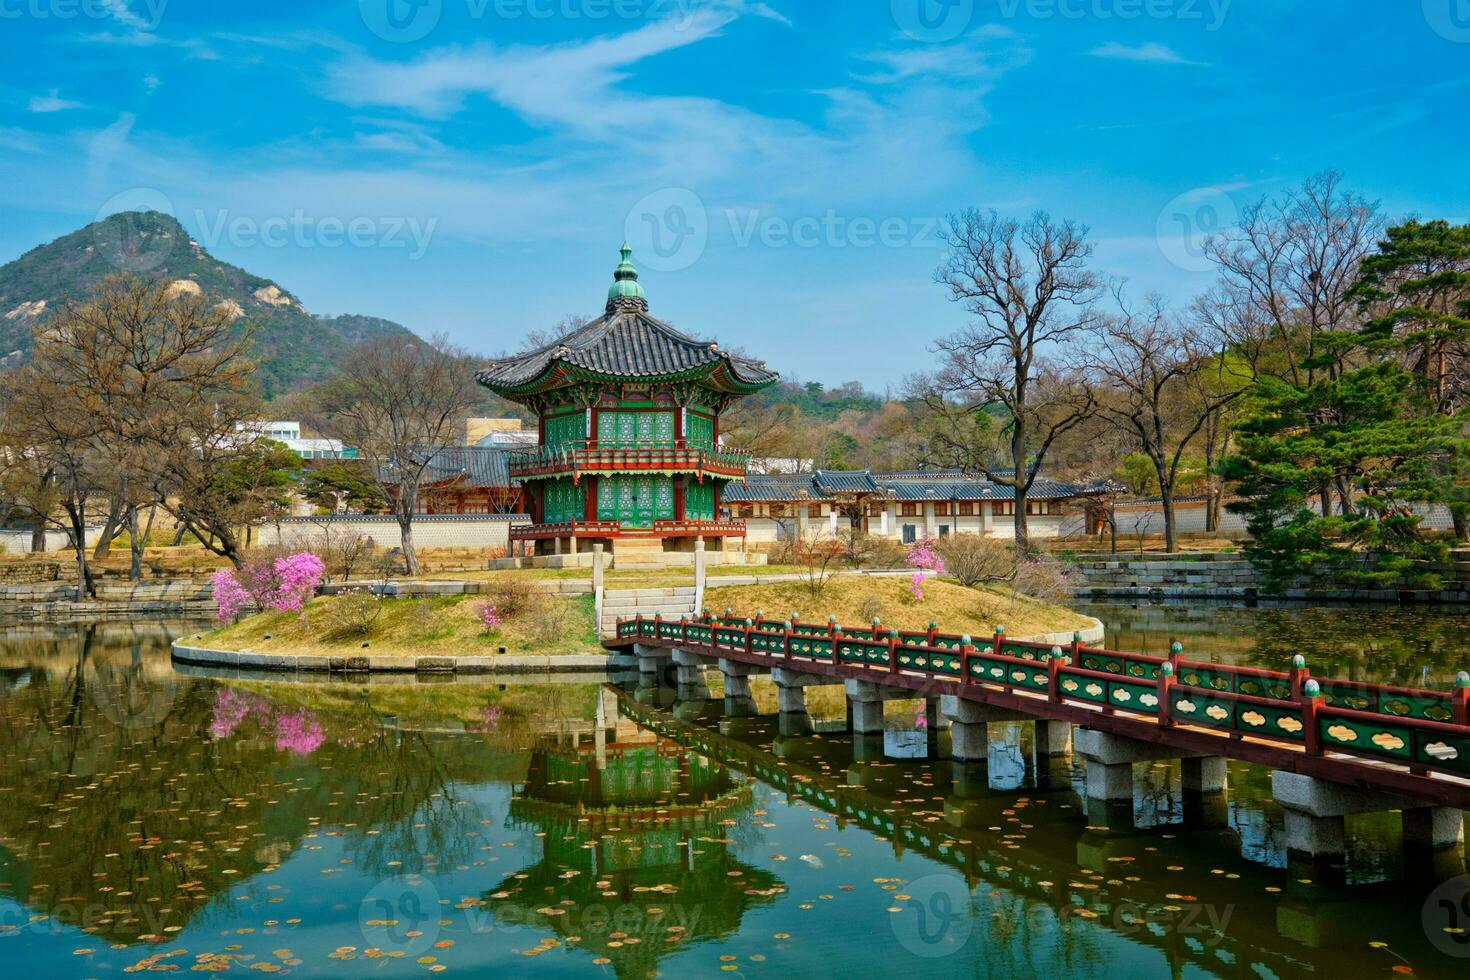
point(130, 699)
point(124, 232)
point(668, 229)
point(1446, 917)
point(1188, 222)
point(1450, 19)
point(933, 21)
point(400, 916)
point(935, 917)
point(401, 21)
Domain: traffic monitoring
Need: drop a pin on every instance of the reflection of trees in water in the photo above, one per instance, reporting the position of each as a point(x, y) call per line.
point(1384, 644)
point(130, 823)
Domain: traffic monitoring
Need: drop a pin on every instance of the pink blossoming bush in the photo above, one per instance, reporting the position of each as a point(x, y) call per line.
point(267, 582)
point(924, 558)
point(489, 616)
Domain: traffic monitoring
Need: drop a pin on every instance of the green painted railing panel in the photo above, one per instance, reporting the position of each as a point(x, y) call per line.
point(1197, 707)
point(1449, 751)
point(1207, 678)
point(1083, 688)
point(1283, 722)
point(1388, 740)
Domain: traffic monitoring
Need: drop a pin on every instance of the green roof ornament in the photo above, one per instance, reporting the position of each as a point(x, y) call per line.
point(1167, 669)
point(1176, 648)
point(966, 640)
point(1462, 679)
point(1000, 631)
point(1312, 689)
point(625, 278)
point(1299, 662)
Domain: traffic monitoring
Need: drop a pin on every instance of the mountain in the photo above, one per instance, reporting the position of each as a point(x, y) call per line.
point(294, 347)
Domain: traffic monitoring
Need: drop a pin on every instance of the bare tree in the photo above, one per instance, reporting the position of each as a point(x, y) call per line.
point(400, 402)
point(1031, 292)
point(1287, 273)
point(1152, 374)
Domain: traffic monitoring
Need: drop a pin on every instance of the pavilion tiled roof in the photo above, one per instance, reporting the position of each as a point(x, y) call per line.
point(627, 343)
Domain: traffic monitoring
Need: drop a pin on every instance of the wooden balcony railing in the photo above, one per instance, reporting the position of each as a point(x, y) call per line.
point(593, 457)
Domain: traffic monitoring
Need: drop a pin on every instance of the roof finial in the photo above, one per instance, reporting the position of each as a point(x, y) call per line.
point(625, 282)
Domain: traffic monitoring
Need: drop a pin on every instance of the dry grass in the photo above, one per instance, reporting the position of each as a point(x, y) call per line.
point(438, 626)
point(855, 600)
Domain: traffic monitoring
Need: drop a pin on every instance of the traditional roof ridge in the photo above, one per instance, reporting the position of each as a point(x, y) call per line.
point(625, 342)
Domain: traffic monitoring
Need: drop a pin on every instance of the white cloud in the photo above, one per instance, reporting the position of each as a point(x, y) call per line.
point(1152, 53)
point(52, 102)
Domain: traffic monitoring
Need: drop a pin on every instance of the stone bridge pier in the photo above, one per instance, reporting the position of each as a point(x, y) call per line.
point(1316, 810)
point(689, 673)
point(1108, 760)
point(791, 688)
point(738, 697)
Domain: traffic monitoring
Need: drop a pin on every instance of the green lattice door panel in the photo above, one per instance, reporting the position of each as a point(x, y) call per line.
point(699, 501)
point(565, 501)
point(646, 427)
point(663, 428)
point(699, 431)
point(627, 500)
point(607, 498)
point(565, 430)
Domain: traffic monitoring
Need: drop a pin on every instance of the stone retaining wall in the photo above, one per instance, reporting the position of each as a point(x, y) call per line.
point(1221, 578)
point(286, 663)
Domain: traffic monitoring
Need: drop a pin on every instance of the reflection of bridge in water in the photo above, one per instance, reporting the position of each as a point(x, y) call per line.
point(1189, 894)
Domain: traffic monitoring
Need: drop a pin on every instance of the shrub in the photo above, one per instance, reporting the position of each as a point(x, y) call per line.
point(513, 596)
point(555, 619)
point(489, 616)
point(352, 613)
point(974, 560)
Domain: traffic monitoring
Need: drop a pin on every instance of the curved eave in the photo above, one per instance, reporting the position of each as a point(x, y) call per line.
point(719, 375)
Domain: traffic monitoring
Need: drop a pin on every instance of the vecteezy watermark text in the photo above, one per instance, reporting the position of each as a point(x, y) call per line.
point(145, 15)
point(406, 21)
point(302, 230)
point(939, 21)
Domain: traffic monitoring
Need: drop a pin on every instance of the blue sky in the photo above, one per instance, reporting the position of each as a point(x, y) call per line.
point(471, 166)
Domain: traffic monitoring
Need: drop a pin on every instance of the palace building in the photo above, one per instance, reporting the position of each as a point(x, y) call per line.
point(628, 412)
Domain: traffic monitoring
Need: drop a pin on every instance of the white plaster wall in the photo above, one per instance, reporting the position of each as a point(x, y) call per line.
point(479, 531)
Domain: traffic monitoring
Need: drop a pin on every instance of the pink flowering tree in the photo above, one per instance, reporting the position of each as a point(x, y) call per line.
point(267, 582)
point(924, 559)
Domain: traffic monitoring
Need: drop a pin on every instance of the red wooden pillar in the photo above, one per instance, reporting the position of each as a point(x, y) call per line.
point(679, 483)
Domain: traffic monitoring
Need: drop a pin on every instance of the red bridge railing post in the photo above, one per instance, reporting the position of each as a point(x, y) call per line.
point(1460, 703)
point(1076, 650)
point(967, 649)
point(1000, 638)
point(1166, 692)
point(1299, 675)
point(1311, 701)
point(786, 640)
point(893, 651)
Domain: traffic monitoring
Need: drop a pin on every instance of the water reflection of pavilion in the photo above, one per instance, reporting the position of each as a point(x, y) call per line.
point(636, 859)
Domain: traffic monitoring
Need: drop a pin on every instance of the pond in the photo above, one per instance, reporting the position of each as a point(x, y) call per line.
point(152, 821)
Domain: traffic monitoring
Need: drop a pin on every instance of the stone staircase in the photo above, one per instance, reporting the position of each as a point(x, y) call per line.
point(638, 553)
point(672, 603)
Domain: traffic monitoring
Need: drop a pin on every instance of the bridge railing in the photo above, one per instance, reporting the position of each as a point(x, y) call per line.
point(1425, 730)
